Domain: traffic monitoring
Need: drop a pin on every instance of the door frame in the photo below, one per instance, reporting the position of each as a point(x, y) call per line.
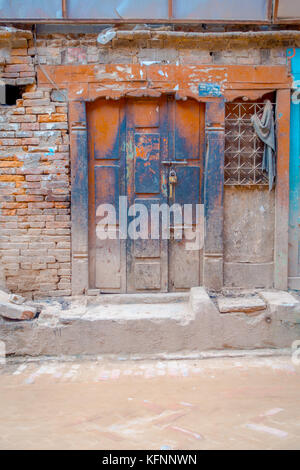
point(89, 82)
point(213, 195)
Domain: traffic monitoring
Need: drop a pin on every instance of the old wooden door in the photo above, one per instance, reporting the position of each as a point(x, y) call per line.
point(135, 145)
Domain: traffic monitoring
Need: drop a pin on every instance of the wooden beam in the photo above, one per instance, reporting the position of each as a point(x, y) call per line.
point(282, 190)
point(232, 76)
point(64, 8)
point(214, 195)
point(79, 196)
point(170, 9)
point(131, 21)
point(275, 12)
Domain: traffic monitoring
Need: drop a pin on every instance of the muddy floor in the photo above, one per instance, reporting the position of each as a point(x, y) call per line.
point(240, 403)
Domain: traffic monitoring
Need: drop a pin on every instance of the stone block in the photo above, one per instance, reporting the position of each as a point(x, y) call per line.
point(241, 304)
point(17, 312)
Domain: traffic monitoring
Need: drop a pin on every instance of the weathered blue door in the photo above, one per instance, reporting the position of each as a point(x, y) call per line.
point(135, 147)
point(294, 221)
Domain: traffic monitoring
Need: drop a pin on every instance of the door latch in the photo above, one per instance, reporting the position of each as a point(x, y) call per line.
point(174, 162)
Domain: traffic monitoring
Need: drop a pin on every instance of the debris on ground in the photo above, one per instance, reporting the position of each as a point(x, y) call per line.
point(13, 307)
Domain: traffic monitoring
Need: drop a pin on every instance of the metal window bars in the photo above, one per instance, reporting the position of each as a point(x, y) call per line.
point(243, 148)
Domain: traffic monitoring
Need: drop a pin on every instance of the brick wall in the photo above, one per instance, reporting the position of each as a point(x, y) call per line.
point(34, 142)
point(144, 46)
point(34, 189)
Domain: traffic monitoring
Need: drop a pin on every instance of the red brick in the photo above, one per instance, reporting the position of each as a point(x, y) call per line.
point(29, 198)
point(20, 60)
point(13, 205)
point(25, 118)
point(9, 75)
point(18, 52)
point(19, 68)
point(41, 109)
point(52, 117)
point(25, 80)
point(33, 95)
point(28, 126)
point(19, 110)
point(27, 74)
point(30, 141)
point(61, 109)
point(36, 102)
point(33, 178)
point(12, 178)
point(11, 142)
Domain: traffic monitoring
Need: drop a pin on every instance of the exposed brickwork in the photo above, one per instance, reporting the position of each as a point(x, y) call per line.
point(34, 181)
point(128, 47)
point(34, 142)
point(16, 66)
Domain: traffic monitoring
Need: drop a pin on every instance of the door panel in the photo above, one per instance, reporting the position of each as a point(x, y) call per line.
point(106, 184)
point(187, 130)
point(106, 131)
point(184, 266)
point(108, 252)
point(107, 265)
point(147, 124)
point(106, 126)
point(187, 138)
point(133, 146)
point(187, 188)
point(147, 163)
point(145, 112)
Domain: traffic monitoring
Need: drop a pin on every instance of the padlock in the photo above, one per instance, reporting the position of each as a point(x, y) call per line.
point(172, 180)
point(172, 177)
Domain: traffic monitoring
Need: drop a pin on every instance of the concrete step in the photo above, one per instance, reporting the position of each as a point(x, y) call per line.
point(152, 298)
point(127, 312)
point(184, 325)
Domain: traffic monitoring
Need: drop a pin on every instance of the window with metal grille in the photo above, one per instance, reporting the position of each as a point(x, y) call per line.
point(243, 148)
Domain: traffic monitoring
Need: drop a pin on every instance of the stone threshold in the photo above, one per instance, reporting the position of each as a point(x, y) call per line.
point(139, 298)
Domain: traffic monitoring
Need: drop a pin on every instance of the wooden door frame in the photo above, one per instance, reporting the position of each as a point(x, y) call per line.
point(89, 82)
point(213, 199)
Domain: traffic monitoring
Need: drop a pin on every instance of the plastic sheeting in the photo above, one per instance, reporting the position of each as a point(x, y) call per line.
point(151, 9)
point(234, 10)
point(221, 9)
point(21, 9)
point(288, 9)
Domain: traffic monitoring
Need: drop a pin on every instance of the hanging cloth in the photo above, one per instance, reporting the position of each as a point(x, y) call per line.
point(265, 129)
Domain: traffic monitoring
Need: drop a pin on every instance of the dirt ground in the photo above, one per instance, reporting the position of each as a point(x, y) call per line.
point(221, 403)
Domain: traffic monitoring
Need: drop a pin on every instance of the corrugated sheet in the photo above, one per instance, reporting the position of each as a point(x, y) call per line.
point(234, 10)
point(154, 9)
point(221, 9)
point(24, 9)
point(288, 9)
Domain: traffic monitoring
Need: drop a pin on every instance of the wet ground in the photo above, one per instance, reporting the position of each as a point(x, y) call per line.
point(231, 403)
